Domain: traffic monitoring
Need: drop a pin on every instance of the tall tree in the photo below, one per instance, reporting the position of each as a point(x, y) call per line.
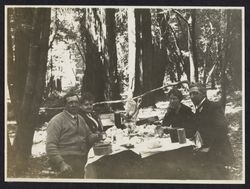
point(98, 29)
point(231, 57)
point(191, 43)
point(112, 83)
point(131, 50)
point(144, 55)
point(160, 52)
point(93, 79)
point(34, 25)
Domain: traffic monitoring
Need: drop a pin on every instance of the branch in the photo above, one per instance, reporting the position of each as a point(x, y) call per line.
point(52, 41)
point(176, 45)
point(146, 93)
point(180, 15)
point(56, 30)
point(78, 48)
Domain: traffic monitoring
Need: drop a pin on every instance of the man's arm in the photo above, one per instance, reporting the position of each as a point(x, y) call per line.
point(167, 120)
point(53, 137)
point(217, 126)
point(91, 138)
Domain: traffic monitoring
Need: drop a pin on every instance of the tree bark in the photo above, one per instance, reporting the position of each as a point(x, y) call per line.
point(131, 50)
point(112, 84)
point(193, 36)
point(144, 55)
point(190, 48)
point(147, 57)
point(34, 86)
point(160, 55)
point(224, 61)
point(94, 77)
point(138, 56)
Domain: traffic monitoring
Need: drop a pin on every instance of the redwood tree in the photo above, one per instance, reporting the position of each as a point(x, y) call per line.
point(26, 75)
point(144, 55)
point(112, 84)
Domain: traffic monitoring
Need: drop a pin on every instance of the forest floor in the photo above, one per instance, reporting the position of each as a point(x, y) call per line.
point(38, 165)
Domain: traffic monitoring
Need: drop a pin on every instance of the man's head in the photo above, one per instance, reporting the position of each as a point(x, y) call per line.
point(71, 103)
point(175, 98)
point(87, 102)
point(197, 92)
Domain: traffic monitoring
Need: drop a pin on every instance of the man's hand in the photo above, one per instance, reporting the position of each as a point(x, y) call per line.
point(99, 136)
point(65, 168)
point(203, 150)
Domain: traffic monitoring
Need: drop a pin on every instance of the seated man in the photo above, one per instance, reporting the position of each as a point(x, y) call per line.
point(179, 115)
point(212, 129)
point(87, 112)
point(68, 140)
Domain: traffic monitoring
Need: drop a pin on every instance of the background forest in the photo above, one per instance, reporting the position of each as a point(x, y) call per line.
point(115, 53)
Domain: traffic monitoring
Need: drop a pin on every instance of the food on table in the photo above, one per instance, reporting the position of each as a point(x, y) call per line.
point(102, 148)
point(154, 144)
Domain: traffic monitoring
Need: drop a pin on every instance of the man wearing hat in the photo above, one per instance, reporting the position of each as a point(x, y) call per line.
point(215, 148)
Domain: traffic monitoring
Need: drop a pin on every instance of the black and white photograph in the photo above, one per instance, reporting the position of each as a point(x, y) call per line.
point(124, 94)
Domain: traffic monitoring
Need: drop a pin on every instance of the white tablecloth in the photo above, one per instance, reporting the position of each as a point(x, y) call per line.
point(144, 148)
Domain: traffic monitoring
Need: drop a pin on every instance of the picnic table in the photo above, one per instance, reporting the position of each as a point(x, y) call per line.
point(151, 157)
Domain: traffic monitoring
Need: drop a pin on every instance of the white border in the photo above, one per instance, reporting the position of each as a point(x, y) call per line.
point(6, 179)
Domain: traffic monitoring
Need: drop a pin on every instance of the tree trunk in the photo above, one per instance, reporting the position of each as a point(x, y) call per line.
point(212, 81)
point(112, 89)
point(147, 57)
point(191, 56)
point(144, 55)
point(138, 55)
point(94, 78)
point(205, 69)
point(131, 50)
point(225, 59)
point(190, 43)
point(160, 56)
point(193, 36)
point(34, 87)
point(17, 59)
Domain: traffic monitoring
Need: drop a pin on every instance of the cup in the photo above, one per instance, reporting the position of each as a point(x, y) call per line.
point(181, 135)
point(118, 120)
point(173, 135)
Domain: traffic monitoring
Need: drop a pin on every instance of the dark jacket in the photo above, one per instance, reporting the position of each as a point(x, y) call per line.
point(92, 125)
point(213, 128)
point(183, 119)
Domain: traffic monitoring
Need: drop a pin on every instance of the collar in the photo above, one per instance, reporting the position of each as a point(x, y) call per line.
point(71, 115)
point(89, 115)
point(199, 106)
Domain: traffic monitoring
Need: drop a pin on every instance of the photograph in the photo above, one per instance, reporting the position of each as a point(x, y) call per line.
point(124, 94)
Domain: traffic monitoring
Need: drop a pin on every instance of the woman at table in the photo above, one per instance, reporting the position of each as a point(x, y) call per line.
point(87, 112)
point(179, 115)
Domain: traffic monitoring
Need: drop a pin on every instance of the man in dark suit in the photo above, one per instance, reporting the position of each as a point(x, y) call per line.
point(215, 151)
